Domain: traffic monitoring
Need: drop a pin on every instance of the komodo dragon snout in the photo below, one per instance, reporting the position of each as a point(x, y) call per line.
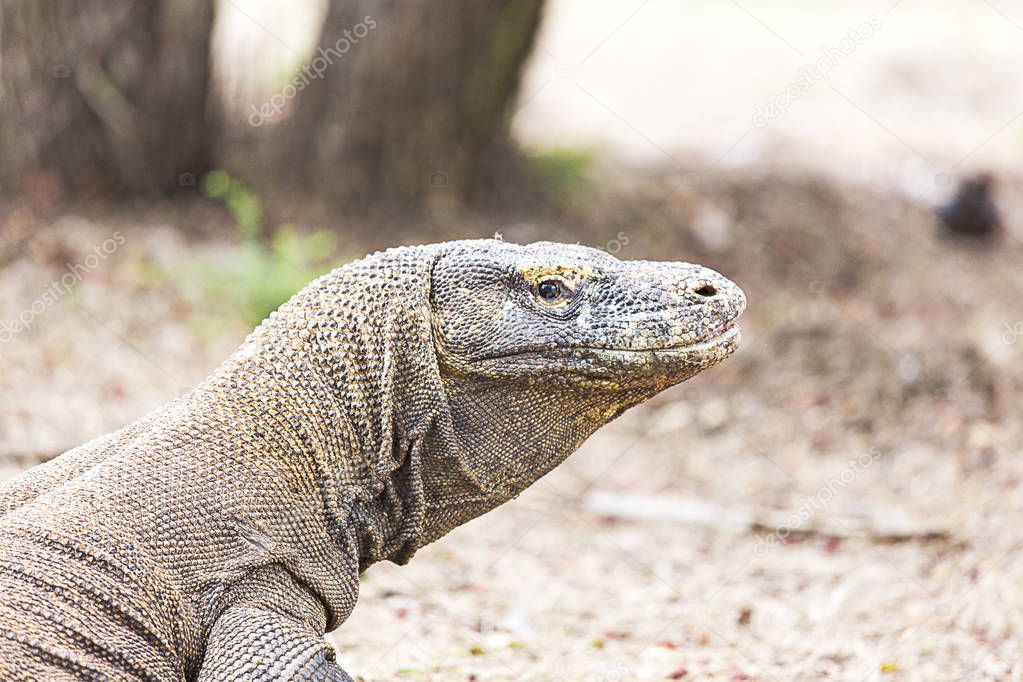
point(386, 403)
point(555, 309)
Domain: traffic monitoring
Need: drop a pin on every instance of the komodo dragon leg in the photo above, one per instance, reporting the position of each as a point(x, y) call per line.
point(273, 633)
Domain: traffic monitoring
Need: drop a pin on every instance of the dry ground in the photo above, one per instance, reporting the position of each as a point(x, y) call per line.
point(877, 397)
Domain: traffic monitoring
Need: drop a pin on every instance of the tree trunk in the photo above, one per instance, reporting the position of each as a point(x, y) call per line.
point(408, 103)
point(104, 96)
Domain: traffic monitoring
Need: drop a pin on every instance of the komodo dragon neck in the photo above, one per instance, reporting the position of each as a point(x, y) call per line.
point(341, 399)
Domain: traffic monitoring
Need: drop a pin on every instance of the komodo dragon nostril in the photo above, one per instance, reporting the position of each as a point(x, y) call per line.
point(705, 290)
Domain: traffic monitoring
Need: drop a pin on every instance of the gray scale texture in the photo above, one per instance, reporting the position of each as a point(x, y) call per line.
point(388, 402)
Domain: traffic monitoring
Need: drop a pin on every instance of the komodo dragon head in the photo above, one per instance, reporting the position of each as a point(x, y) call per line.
point(577, 319)
point(436, 382)
point(539, 345)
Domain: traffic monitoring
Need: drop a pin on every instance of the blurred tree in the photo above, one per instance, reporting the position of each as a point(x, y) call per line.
point(408, 103)
point(104, 96)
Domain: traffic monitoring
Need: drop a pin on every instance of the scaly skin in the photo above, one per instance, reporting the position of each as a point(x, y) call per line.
point(385, 404)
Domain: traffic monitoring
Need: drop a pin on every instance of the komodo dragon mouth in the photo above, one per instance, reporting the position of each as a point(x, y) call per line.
point(721, 342)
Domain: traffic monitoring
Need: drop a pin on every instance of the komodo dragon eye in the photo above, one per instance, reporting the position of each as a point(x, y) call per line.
point(553, 291)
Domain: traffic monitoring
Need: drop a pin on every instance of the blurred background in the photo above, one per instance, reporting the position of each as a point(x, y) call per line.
point(841, 500)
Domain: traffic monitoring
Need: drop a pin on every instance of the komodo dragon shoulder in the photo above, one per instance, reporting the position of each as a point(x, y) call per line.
point(385, 404)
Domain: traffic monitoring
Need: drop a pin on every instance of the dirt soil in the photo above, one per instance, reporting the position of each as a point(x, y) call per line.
point(841, 500)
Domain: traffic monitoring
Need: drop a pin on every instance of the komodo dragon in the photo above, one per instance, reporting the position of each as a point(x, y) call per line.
point(388, 402)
